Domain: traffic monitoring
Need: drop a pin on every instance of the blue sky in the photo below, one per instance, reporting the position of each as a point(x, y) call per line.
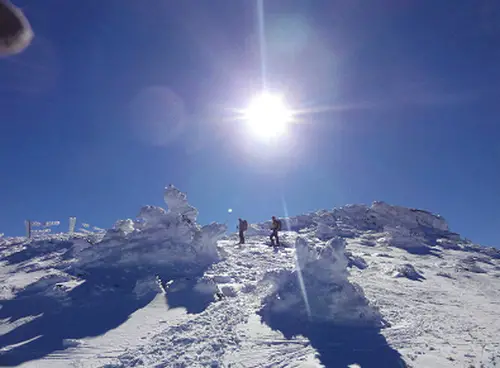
point(411, 90)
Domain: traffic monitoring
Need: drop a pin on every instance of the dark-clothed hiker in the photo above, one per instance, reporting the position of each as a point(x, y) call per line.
point(275, 227)
point(242, 227)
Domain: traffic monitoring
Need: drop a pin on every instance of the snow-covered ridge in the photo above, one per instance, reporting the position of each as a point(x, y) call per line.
point(403, 226)
point(338, 282)
point(360, 217)
point(408, 228)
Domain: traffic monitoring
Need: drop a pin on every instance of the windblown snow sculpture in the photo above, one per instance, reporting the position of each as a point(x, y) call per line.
point(160, 238)
point(177, 203)
point(318, 289)
point(15, 31)
point(125, 227)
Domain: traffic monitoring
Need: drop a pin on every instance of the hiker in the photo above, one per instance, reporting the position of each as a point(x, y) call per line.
point(242, 227)
point(275, 227)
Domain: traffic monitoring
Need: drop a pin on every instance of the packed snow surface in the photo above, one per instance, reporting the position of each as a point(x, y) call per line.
point(356, 286)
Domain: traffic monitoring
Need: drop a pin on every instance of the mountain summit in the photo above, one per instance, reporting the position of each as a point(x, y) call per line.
point(367, 286)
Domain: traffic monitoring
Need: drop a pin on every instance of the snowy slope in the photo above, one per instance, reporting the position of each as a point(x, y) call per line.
point(376, 286)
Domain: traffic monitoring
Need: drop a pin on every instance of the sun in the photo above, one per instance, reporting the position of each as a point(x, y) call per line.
point(268, 116)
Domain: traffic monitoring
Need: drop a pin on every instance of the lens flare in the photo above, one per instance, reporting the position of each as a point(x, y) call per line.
point(268, 116)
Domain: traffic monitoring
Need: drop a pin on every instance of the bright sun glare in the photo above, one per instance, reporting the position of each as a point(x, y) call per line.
point(268, 116)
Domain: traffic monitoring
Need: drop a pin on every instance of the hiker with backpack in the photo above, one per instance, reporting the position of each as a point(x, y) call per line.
point(275, 227)
point(242, 227)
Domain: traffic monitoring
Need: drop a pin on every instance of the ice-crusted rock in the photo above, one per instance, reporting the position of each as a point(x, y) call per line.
point(177, 203)
point(452, 236)
point(158, 238)
point(346, 232)
point(422, 227)
point(205, 240)
point(469, 264)
point(325, 217)
point(318, 289)
point(381, 216)
point(402, 237)
point(489, 251)
point(355, 260)
point(325, 232)
point(299, 222)
point(125, 227)
point(407, 217)
point(444, 274)
point(258, 230)
point(350, 212)
point(355, 216)
point(414, 230)
point(448, 244)
point(330, 259)
point(71, 343)
point(150, 216)
point(406, 270)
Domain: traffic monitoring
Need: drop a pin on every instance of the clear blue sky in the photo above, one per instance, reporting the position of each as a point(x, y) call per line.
point(415, 87)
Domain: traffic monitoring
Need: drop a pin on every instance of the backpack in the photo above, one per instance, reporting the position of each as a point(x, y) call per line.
point(278, 223)
point(244, 225)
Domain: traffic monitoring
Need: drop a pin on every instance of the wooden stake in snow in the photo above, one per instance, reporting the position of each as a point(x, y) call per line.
point(72, 224)
point(27, 223)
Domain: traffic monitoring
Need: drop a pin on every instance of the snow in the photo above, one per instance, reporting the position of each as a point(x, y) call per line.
point(177, 203)
point(318, 288)
point(406, 270)
point(357, 286)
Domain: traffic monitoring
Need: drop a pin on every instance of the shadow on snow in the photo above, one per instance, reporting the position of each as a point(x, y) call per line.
point(183, 293)
point(424, 250)
point(337, 346)
point(37, 250)
point(103, 302)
